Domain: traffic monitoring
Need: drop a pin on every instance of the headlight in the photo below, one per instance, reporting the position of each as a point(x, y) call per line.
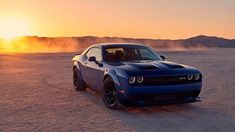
point(140, 79)
point(131, 79)
point(196, 76)
point(190, 77)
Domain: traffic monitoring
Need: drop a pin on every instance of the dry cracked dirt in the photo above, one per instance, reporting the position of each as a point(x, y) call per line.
point(36, 94)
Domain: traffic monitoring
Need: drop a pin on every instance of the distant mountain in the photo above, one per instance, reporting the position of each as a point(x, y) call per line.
point(66, 44)
point(198, 41)
point(209, 41)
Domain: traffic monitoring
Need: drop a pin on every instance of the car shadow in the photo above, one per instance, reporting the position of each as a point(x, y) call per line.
point(172, 117)
point(149, 109)
point(160, 109)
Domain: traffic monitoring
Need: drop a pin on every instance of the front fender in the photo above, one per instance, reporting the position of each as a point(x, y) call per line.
point(76, 64)
point(113, 75)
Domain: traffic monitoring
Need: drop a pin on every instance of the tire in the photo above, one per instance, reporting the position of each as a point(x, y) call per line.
point(78, 83)
point(110, 95)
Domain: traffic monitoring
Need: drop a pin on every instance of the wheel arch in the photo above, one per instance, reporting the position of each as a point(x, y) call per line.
point(112, 74)
point(76, 65)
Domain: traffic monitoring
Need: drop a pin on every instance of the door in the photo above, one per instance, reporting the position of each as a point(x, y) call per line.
point(92, 69)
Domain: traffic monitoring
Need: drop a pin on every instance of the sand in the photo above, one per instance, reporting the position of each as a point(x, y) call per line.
point(36, 94)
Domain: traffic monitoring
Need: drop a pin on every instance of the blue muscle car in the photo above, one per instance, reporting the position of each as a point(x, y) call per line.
point(132, 74)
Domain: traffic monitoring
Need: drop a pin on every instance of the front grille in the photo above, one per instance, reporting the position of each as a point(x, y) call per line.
point(166, 80)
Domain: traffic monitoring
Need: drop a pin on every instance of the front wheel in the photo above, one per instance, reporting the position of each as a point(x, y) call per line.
point(78, 83)
point(110, 95)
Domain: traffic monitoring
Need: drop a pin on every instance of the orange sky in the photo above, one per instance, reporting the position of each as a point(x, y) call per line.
point(164, 19)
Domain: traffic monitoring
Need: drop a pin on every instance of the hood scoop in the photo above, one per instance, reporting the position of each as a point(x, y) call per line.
point(145, 66)
point(151, 67)
point(172, 65)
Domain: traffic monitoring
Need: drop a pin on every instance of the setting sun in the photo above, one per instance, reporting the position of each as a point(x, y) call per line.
point(13, 27)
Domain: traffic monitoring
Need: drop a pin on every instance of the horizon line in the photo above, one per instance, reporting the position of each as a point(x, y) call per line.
point(202, 35)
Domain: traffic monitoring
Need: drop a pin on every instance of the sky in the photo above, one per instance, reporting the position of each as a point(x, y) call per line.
point(158, 19)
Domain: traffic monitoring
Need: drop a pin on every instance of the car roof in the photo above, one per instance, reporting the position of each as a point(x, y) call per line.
point(116, 44)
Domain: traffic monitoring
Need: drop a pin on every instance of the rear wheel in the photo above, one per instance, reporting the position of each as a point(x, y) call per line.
point(110, 94)
point(78, 83)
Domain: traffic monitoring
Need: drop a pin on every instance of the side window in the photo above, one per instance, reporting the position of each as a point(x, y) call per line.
point(97, 53)
point(94, 52)
point(89, 52)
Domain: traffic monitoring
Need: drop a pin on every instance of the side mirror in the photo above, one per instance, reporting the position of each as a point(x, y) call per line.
point(92, 58)
point(163, 57)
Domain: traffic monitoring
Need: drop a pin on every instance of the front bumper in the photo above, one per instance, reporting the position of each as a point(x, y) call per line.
point(158, 94)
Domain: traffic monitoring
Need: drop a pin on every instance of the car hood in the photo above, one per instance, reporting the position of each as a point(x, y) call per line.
point(153, 67)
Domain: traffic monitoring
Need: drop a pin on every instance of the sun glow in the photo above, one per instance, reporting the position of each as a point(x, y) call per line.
point(13, 27)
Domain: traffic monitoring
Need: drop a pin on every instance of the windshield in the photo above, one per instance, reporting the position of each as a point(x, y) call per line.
point(112, 54)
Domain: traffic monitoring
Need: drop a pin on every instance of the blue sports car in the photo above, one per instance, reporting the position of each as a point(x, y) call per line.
point(134, 74)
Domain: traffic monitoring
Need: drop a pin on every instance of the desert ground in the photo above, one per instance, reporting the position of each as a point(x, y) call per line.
point(36, 94)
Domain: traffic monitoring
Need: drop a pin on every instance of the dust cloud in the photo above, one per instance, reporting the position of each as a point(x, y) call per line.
point(34, 44)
